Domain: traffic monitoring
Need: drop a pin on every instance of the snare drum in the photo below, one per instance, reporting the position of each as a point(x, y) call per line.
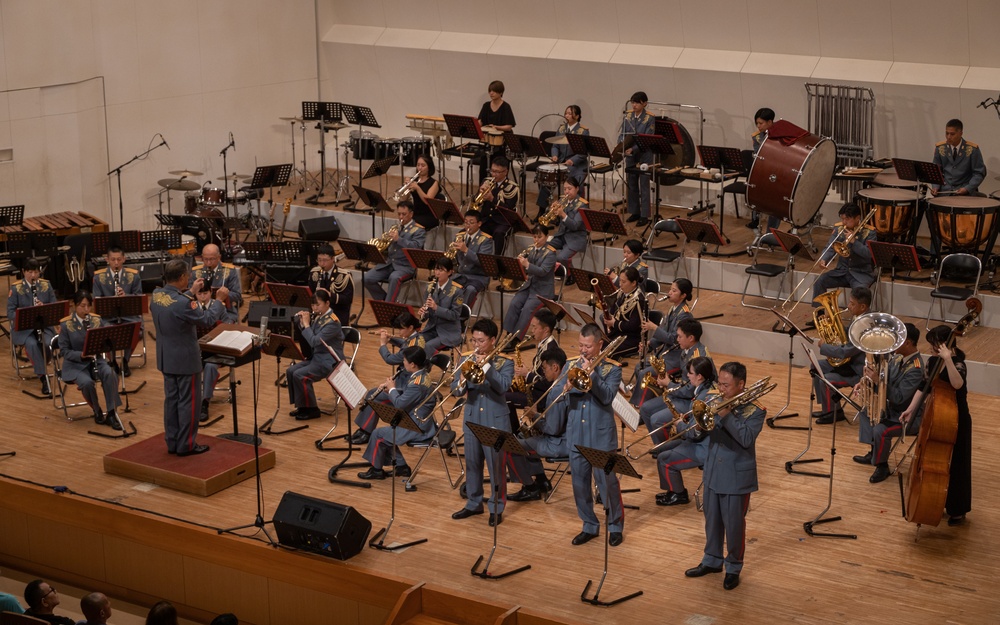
point(413, 147)
point(363, 144)
point(191, 202)
point(961, 223)
point(386, 148)
point(551, 175)
point(239, 197)
point(894, 211)
point(213, 196)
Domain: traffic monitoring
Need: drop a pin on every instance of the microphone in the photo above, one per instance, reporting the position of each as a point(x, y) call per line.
point(164, 142)
point(232, 141)
point(261, 337)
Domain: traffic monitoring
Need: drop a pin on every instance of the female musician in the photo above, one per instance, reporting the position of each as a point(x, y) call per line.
point(627, 313)
point(959, 500)
point(318, 327)
point(338, 284)
point(664, 341)
point(415, 389)
point(571, 236)
point(425, 186)
point(84, 372)
point(539, 263)
point(32, 291)
point(631, 257)
point(495, 113)
point(442, 310)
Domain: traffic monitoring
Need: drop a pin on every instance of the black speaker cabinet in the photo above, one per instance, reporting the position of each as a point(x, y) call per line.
point(279, 318)
point(319, 229)
point(329, 529)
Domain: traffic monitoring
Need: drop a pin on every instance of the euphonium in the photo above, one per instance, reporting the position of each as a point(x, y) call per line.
point(519, 384)
point(477, 203)
point(829, 325)
point(550, 216)
point(452, 252)
point(405, 190)
point(383, 242)
point(878, 335)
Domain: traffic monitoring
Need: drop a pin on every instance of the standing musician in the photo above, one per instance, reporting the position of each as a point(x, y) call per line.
point(843, 375)
point(339, 285)
point(468, 247)
point(571, 235)
point(654, 411)
point(410, 399)
point(853, 270)
point(730, 476)
point(216, 273)
point(176, 315)
point(539, 263)
point(763, 119)
point(549, 437)
point(663, 344)
point(959, 501)
point(409, 336)
point(504, 193)
point(32, 290)
point(210, 374)
point(485, 405)
point(85, 372)
point(691, 449)
point(627, 313)
point(562, 154)
point(631, 257)
point(961, 162)
point(638, 122)
point(590, 422)
point(318, 327)
point(442, 310)
point(495, 114)
point(540, 330)
point(423, 188)
point(906, 372)
point(115, 280)
point(397, 267)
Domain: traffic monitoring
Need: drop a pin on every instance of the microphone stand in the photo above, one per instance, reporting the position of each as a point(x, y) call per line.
point(225, 175)
point(118, 172)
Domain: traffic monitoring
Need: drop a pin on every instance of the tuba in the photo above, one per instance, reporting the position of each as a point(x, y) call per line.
point(878, 335)
point(477, 203)
point(383, 242)
point(829, 324)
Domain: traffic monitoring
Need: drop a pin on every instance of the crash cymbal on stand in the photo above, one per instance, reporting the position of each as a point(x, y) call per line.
point(560, 139)
point(186, 173)
point(334, 126)
point(291, 119)
point(176, 184)
point(235, 177)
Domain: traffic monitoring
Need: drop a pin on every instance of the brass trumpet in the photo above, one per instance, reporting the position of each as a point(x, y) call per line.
point(477, 203)
point(405, 190)
point(452, 251)
point(472, 370)
point(553, 213)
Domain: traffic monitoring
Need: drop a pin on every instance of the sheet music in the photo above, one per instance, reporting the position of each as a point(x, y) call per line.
point(239, 340)
point(625, 411)
point(347, 385)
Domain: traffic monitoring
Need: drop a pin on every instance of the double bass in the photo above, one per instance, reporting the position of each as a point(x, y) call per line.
point(927, 485)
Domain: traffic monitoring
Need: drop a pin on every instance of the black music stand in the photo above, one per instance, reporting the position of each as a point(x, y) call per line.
point(395, 418)
point(226, 357)
point(584, 281)
point(128, 240)
point(609, 462)
point(346, 384)
point(787, 326)
point(894, 256)
point(160, 240)
point(359, 116)
point(278, 345)
point(706, 233)
point(586, 318)
point(500, 267)
point(36, 319)
point(560, 312)
point(422, 259)
point(112, 339)
point(521, 148)
point(464, 127)
point(292, 295)
point(323, 113)
point(385, 312)
point(445, 211)
point(499, 440)
point(603, 221)
point(592, 147)
point(117, 307)
point(366, 254)
point(727, 161)
point(660, 146)
point(268, 177)
point(517, 224)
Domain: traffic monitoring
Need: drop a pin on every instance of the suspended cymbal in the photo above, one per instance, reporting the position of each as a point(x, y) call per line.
point(176, 184)
point(561, 139)
point(187, 173)
point(334, 126)
point(291, 119)
point(235, 177)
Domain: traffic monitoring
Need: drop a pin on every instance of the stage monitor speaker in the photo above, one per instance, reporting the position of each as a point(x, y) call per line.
point(329, 529)
point(279, 318)
point(319, 229)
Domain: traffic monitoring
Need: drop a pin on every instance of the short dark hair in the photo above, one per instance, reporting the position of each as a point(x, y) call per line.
point(572, 181)
point(554, 354)
point(703, 367)
point(115, 249)
point(632, 274)
point(83, 294)
point(546, 317)
point(405, 320)
point(684, 286)
point(475, 215)
point(174, 270)
point(850, 210)
point(163, 613)
point(592, 330)
point(487, 327)
point(415, 355)
point(635, 246)
point(444, 263)
point(736, 369)
point(691, 327)
point(639, 97)
point(764, 113)
point(326, 248)
point(540, 229)
point(912, 333)
point(407, 204)
point(33, 594)
point(576, 110)
point(430, 163)
point(863, 295)
point(321, 296)
point(496, 87)
point(939, 335)
point(32, 264)
point(225, 619)
point(501, 161)
point(955, 123)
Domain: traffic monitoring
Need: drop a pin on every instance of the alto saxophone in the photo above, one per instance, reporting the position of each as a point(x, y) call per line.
point(519, 384)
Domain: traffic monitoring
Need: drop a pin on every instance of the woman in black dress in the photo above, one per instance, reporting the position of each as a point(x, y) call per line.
point(495, 113)
point(425, 186)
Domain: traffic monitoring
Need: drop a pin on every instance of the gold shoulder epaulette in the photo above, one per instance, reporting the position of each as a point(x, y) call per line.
point(939, 144)
point(612, 362)
point(131, 270)
point(418, 225)
point(755, 135)
point(581, 128)
point(95, 316)
point(971, 144)
point(485, 235)
point(198, 267)
point(550, 248)
point(66, 318)
point(228, 265)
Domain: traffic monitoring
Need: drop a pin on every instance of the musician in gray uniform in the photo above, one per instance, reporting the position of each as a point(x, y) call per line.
point(411, 400)
point(442, 310)
point(562, 154)
point(484, 405)
point(467, 248)
point(115, 280)
point(654, 411)
point(339, 284)
point(547, 439)
point(397, 269)
point(571, 235)
point(842, 375)
point(853, 270)
point(905, 374)
point(85, 372)
point(631, 257)
point(216, 273)
point(32, 290)
point(663, 344)
point(539, 263)
point(729, 478)
point(961, 162)
point(638, 122)
point(210, 374)
point(319, 327)
point(175, 317)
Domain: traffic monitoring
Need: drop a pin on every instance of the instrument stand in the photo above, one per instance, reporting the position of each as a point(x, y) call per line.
point(499, 440)
point(464, 127)
point(117, 171)
point(276, 345)
point(523, 147)
point(609, 462)
point(395, 418)
point(356, 115)
point(111, 339)
point(225, 176)
point(350, 389)
point(894, 256)
point(322, 113)
point(787, 327)
point(589, 146)
point(661, 148)
point(500, 267)
point(268, 177)
point(366, 255)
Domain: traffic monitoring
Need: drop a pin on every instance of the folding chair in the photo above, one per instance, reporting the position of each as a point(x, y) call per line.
point(445, 438)
point(560, 471)
point(954, 267)
point(59, 387)
point(766, 270)
point(663, 254)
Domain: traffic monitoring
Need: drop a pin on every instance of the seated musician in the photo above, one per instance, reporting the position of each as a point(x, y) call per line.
point(539, 330)
point(539, 264)
point(409, 336)
point(905, 374)
point(85, 372)
point(216, 273)
point(495, 114)
point(961, 162)
point(468, 247)
point(631, 257)
point(689, 450)
point(397, 268)
point(689, 340)
point(571, 235)
point(562, 154)
point(210, 373)
point(853, 270)
point(412, 399)
point(663, 344)
point(338, 284)
point(638, 122)
point(547, 438)
point(115, 280)
point(318, 327)
point(32, 290)
point(842, 375)
point(424, 187)
point(763, 119)
point(497, 191)
point(442, 310)
point(626, 314)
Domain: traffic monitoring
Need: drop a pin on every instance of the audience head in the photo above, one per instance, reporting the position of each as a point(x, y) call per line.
point(163, 613)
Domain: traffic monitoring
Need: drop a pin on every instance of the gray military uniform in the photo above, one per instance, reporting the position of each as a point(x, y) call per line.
point(20, 296)
point(76, 369)
point(398, 268)
point(416, 388)
point(470, 272)
point(322, 329)
point(540, 282)
point(443, 327)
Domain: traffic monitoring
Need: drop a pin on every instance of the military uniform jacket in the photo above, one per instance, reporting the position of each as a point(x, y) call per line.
point(860, 261)
point(224, 274)
point(468, 261)
point(486, 403)
point(445, 318)
point(324, 329)
point(572, 232)
point(72, 335)
point(411, 236)
point(340, 286)
point(707, 393)
point(666, 334)
point(416, 387)
point(640, 266)
point(176, 317)
point(904, 378)
point(505, 195)
point(128, 279)
point(20, 296)
point(540, 272)
point(628, 310)
point(396, 358)
point(965, 171)
point(590, 419)
point(563, 152)
point(641, 124)
point(698, 350)
point(554, 421)
point(731, 466)
point(535, 378)
point(856, 357)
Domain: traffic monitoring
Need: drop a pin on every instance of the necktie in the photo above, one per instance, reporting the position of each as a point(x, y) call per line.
point(954, 152)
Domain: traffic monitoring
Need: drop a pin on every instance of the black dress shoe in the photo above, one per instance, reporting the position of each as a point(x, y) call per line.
point(296, 412)
point(360, 437)
point(465, 513)
point(373, 473)
point(114, 421)
point(816, 414)
point(99, 418)
point(865, 459)
point(527, 493)
point(204, 412)
point(402, 471)
point(615, 539)
point(753, 223)
point(642, 223)
point(701, 570)
point(670, 498)
point(880, 474)
point(125, 369)
point(194, 451)
point(632, 218)
point(45, 387)
point(732, 581)
point(809, 325)
point(828, 417)
point(496, 519)
point(543, 484)
point(583, 537)
point(306, 414)
point(956, 520)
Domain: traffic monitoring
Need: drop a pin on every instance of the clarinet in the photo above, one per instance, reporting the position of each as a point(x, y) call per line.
point(92, 362)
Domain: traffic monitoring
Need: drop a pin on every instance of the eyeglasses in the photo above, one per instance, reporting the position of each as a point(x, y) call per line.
point(498, 171)
point(52, 589)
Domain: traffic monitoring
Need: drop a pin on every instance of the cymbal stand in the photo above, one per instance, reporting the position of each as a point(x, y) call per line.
point(341, 180)
point(443, 181)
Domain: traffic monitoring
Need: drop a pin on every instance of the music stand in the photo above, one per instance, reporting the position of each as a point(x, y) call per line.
point(359, 116)
point(324, 113)
point(270, 176)
point(117, 307)
point(706, 233)
point(112, 339)
point(499, 440)
point(366, 254)
point(380, 168)
point(522, 147)
point(660, 146)
point(603, 221)
point(590, 146)
point(232, 358)
point(609, 462)
point(385, 312)
point(787, 326)
point(395, 418)
point(729, 161)
point(350, 389)
point(517, 224)
point(464, 127)
point(894, 256)
point(36, 319)
point(560, 312)
point(500, 267)
point(160, 240)
point(278, 345)
point(293, 295)
point(445, 211)
point(584, 279)
point(128, 240)
point(422, 259)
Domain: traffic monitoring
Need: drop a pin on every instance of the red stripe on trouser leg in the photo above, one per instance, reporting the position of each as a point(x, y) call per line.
point(195, 410)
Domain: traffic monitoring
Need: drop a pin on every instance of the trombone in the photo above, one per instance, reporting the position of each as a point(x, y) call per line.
point(678, 417)
point(579, 377)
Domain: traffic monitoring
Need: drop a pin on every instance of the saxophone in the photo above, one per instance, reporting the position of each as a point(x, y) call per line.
point(829, 325)
point(383, 242)
point(649, 380)
point(519, 384)
point(477, 203)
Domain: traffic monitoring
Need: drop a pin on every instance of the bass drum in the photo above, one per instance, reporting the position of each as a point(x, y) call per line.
point(791, 174)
